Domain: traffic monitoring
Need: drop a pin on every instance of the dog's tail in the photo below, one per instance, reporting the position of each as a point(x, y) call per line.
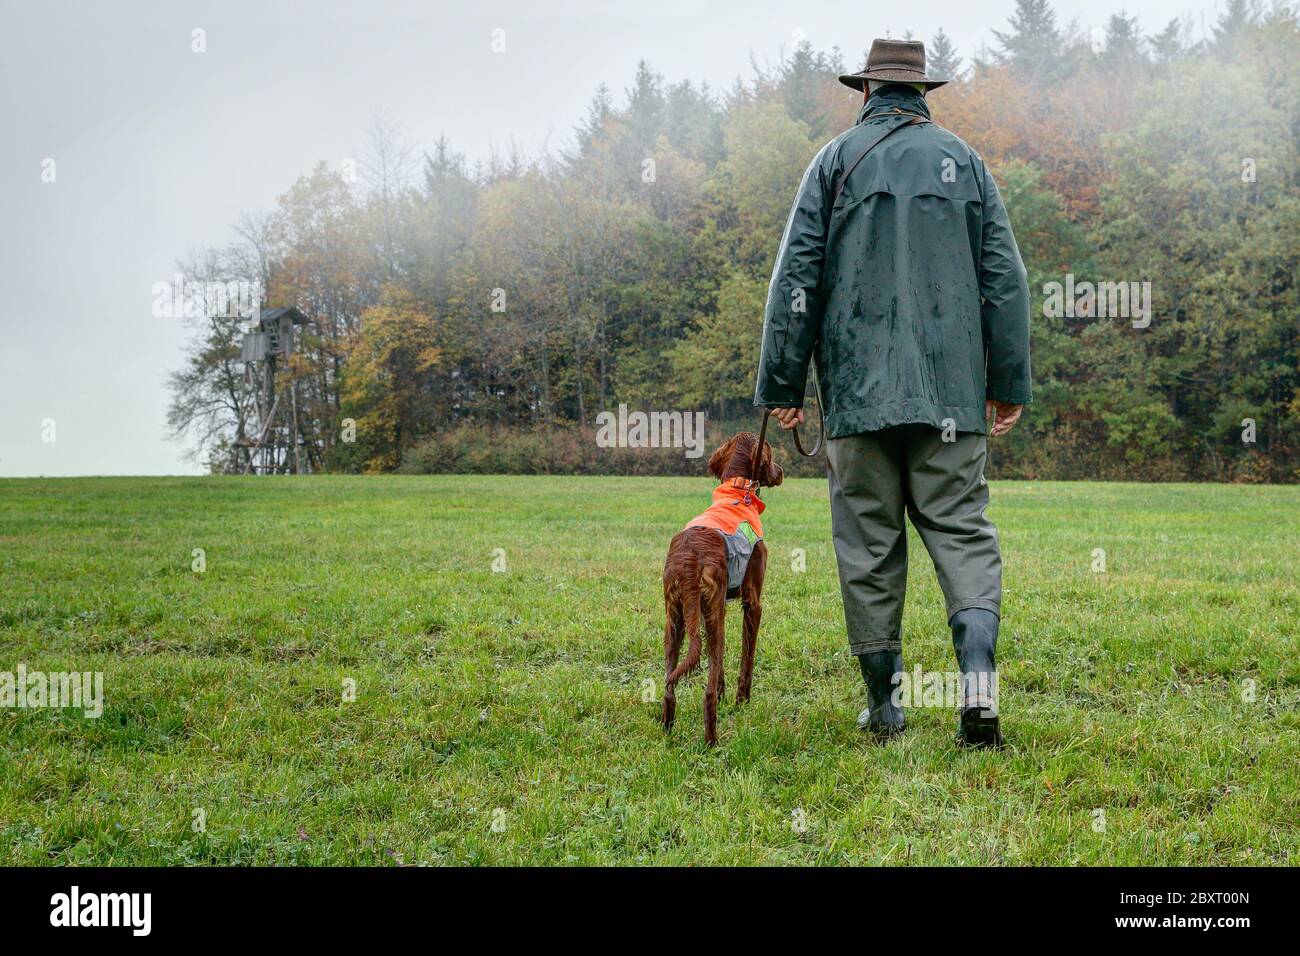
point(689, 596)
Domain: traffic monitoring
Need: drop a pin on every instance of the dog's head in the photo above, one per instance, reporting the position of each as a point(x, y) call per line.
point(735, 459)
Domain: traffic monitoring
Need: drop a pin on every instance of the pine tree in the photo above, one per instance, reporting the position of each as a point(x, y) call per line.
point(1167, 45)
point(1033, 45)
point(646, 107)
point(592, 130)
point(802, 79)
point(1122, 48)
point(984, 59)
point(941, 59)
point(692, 122)
point(1239, 15)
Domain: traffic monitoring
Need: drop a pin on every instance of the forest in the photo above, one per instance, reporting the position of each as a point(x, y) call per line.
point(478, 315)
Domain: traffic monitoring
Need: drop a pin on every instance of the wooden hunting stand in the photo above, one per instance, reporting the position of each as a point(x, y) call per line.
point(267, 440)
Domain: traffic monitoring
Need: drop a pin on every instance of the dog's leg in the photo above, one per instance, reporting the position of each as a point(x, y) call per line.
point(716, 623)
point(685, 599)
point(751, 592)
point(673, 632)
point(749, 642)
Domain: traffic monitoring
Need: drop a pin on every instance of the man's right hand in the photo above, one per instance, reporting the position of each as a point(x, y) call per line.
point(1004, 415)
point(788, 417)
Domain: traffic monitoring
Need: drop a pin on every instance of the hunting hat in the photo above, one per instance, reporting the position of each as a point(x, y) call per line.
point(898, 61)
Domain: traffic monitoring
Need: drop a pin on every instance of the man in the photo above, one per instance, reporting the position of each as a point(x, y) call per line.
point(899, 275)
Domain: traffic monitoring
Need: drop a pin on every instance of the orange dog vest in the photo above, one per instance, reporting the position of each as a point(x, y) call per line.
point(734, 504)
point(735, 510)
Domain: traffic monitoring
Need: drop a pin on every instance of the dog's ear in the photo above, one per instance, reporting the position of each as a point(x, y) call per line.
point(772, 473)
point(721, 458)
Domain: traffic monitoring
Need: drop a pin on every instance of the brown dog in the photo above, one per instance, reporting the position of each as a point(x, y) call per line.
point(706, 567)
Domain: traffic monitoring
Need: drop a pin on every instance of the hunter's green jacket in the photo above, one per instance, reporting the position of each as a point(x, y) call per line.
point(909, 292)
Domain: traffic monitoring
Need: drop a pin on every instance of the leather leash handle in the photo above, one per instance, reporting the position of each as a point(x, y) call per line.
point(758, 458)
point(821, 431)
point(821, 422)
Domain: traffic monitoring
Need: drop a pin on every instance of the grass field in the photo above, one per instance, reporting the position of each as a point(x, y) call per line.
point(499, 717)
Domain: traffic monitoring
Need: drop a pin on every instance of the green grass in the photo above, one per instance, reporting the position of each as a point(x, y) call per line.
point(517, 696)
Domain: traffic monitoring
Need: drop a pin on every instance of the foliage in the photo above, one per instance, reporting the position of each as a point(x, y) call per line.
point(527, 294)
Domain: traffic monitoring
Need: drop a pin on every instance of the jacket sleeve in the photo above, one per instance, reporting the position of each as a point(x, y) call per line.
point(1005, 309)
point(793, 315)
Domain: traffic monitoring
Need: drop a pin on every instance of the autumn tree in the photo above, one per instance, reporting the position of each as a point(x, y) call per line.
point(391, 384)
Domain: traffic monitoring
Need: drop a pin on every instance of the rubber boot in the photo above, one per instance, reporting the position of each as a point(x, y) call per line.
point(882, 717)
point(975, 639)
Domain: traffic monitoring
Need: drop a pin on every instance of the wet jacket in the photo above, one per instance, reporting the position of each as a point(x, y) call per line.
point(909, 292)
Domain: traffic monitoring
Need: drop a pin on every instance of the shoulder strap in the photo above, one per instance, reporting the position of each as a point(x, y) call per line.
point(915, 120)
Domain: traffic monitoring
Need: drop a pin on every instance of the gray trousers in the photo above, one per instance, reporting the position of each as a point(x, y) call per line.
point(875, 478)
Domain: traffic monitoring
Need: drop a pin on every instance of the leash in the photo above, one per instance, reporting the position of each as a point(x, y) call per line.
point(821, 431)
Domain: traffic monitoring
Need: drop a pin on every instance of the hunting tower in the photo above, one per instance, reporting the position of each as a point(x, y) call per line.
point(267, 440)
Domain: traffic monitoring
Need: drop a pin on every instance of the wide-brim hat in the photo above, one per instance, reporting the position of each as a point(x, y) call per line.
point(897, 61)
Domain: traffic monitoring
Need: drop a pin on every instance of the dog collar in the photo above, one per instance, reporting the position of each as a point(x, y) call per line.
point(748, 486)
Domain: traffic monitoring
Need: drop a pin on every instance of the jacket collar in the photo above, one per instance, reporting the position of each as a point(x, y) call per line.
point(894, 97)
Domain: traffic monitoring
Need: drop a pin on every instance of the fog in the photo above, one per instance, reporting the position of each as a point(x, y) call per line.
point(157, 149)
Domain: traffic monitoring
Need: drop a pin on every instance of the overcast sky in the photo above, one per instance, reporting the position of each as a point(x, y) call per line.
point(157, 148)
